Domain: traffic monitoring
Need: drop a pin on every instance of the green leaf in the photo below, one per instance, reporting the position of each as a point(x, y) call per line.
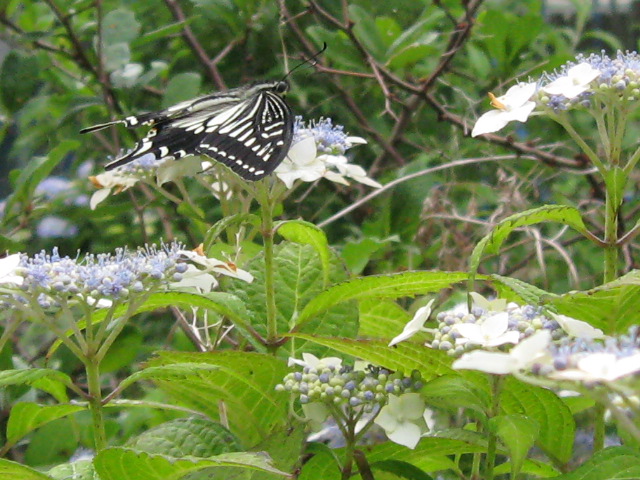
point(26, 417)
point(381, 286)
point(307, 233)
point(19, 79)
point(357, 254)
point(621, 463)
point(405, 356)
point(196, 437)
point(298, 281)
point(612, 307)
point(401, 469)
point(116, 56)
point(367, 32)
point(548, 213)
point(181, 87)
point(459, 391)
point(556, 423)
point(51, 381)
point(285, 446)
point(322, 465)
point(13, 471)
point(245, 382)
point(222, 225)
point(79, 470)
point(518, 433)
point(381, 318)
point(513, 289)
point(34, 172)
point(119, 26)
point(162, 32)
point(182, 371)
point(127, 464)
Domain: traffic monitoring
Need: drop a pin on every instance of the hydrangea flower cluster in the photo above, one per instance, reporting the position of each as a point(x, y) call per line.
point(590, 361)
point(587, 82)
point(505, 338)
point(104, 278)
point(327, 388)
point(318, 151)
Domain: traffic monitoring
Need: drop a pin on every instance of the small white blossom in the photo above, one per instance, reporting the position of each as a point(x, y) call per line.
point(403, 419)
point(600, 367)
point(522, 356)
point(108, 181)
point(575, 82)
point(311, 361)
point(415, 325)
point(577, 328)
point(515, 105)
point(217, 266)
point(492, 332)
point(9, 267)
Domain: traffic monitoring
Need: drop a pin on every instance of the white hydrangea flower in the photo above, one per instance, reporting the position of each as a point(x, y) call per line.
point(575, 82)
point(577, 328)
point(515, 105)
point(402, 419)
point(311, 361)
point(531, 350)
point(9, 267)
point(217, 266)
point(600, 367)
point(491, 332)
point(415, 325)
point(108, 181)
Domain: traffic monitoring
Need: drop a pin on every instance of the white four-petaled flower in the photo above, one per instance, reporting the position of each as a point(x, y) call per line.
point(515, 105)
point(575, 82)
point(492, 332)
point(403, 419)
point(600, 367)
point(529, 351)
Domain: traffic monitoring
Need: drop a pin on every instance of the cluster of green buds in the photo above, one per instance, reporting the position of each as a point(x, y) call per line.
point(328, 381)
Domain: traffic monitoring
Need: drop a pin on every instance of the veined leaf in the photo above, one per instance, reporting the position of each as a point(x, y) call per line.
point(13, 471)
point(26, 417)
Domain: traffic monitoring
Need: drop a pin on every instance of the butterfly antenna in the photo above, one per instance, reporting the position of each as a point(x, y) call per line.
point(311, 61)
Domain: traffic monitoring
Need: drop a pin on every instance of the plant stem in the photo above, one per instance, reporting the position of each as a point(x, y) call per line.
point(92, 367)
point(598, 427)
point(266, 208)
point(496, 386)
point(610, 237)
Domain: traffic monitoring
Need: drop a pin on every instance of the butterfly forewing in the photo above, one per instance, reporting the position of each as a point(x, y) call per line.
point(248, 129)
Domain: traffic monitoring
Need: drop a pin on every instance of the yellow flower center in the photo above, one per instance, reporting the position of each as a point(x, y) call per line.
point(495, 103)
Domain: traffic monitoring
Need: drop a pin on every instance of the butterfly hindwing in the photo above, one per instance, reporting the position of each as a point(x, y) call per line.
point(253, 140)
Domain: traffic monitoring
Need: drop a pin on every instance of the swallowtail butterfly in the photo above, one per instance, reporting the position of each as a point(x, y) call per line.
point(249, 129)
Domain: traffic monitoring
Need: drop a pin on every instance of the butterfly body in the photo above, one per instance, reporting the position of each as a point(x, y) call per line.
point(249, 129)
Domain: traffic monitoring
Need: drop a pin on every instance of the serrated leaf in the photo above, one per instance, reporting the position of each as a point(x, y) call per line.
point(557, 426)
point(307, 233)
point(381, 319)
point(457, 391)
point(26, 417)
point(12, 471)
point(381, 286)
point(79, 470)
point(518, 433)
point(492, 242)
point(298, 281)
point(168, 372)
point(181, 87)
point(513, 289)
point(118, 26)
point(612, 307)
point(405, 356)
point(616, 463)
point(196, 437)
point(127, 464)
point(245, 382)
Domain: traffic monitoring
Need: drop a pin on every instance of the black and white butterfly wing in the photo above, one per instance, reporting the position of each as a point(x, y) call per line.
point(251, 138)
point(248, 129)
